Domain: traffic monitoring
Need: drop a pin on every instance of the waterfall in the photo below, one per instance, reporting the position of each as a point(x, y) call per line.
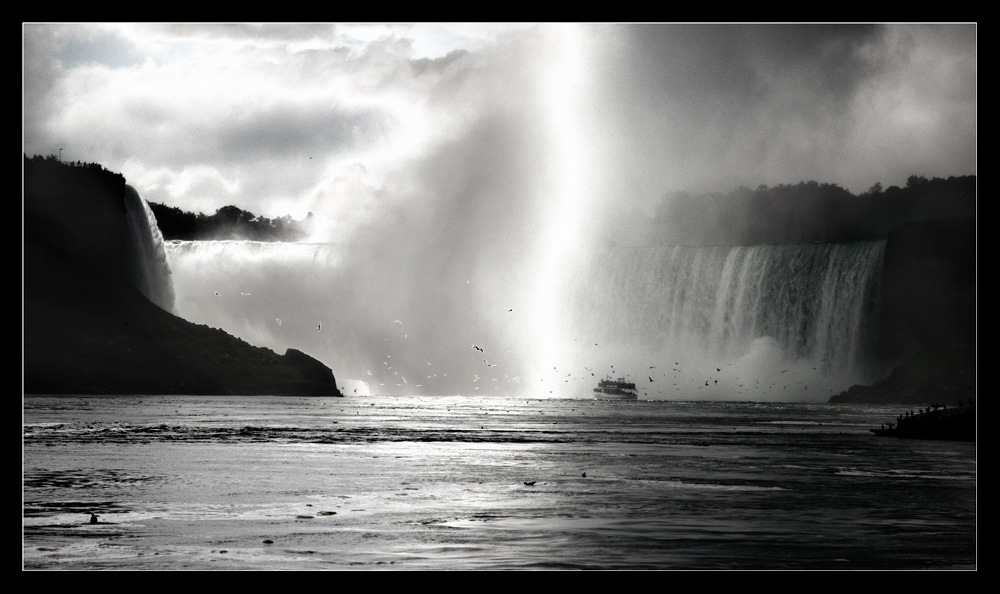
point(147, 256)
point(810, 309)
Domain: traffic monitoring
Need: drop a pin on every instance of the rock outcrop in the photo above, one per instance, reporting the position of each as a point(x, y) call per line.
point(944, 375)
point(957, 424)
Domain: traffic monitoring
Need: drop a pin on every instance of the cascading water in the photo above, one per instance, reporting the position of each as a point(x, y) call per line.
point(147, 256)
point(766, 317)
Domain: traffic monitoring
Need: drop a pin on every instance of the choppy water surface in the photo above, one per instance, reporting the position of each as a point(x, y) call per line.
point(186, 482)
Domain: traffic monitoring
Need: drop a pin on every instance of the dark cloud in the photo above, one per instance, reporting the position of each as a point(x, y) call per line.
point(720, 79)
point(737, 60)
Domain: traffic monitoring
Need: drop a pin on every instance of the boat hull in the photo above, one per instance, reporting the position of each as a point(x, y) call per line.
point(598, 395)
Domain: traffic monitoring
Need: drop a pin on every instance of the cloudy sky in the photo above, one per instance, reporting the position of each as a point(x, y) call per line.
point(344, 120)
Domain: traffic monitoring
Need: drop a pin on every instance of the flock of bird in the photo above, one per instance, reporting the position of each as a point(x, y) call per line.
point(741, 387)
point(319, 325)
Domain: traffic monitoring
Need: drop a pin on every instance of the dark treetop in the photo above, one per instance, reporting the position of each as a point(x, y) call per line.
point(228, 222)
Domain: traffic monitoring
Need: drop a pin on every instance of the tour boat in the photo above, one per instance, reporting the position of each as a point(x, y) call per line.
point(608, 389)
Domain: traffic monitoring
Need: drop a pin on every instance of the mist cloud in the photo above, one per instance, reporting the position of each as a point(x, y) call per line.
point(434, 156)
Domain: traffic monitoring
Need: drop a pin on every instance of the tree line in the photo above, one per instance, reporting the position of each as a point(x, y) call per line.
point(228, 222)
point(807, 212)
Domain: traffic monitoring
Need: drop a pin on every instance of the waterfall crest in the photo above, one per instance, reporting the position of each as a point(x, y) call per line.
point(147, 254)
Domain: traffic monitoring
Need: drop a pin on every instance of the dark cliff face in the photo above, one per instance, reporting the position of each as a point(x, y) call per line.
point(73, 221)
point(927, 326)
point(88, 329)
point(928, 288)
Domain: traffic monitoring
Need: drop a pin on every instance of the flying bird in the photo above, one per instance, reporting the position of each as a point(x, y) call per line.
point(398, 322)
point(319, 326)
point(217, 294)
point(278, 320)
point(478, 349)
